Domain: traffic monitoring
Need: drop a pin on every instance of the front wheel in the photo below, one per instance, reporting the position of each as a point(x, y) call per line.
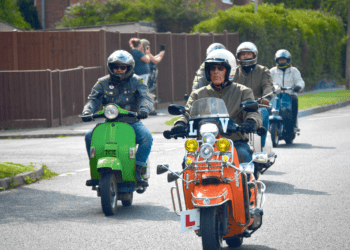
point(109, 193)
point(274, 135)
point(289, 139)
point(210, 227)
point(234, 241)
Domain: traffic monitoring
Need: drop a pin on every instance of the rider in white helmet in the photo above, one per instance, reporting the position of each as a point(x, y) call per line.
point(285, 75)
point(256, 77)
point(200, 79)
point(217, 71)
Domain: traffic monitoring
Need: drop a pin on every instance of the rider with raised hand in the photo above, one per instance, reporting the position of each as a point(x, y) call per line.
point(200, 80)
point(285, 75)
point(129, 91)
point(256, 77)
point(217, 71)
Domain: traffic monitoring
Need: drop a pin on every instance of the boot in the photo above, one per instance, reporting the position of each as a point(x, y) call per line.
point(140, 181)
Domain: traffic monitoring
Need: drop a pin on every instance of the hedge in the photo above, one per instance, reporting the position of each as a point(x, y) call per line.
point(315, 39)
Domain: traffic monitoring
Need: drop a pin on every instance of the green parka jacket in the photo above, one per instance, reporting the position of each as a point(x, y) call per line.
point(233, 94)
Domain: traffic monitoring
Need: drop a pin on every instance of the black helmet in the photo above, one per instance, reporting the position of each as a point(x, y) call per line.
point(214, 46)
point(121, 57)
point(221, 57)
point(283, 53)
point(247, 46)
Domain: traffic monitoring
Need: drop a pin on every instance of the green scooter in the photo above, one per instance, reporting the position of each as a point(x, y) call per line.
point(113, 159)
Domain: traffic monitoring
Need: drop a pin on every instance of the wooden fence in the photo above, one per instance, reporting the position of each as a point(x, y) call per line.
point(42, 86)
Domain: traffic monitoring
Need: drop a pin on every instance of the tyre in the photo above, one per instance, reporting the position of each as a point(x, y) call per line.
point(141, 190)
point(109, 193)
point(128, 202)
point(256, 173)
point(234, 241)
point(289, 139)
point(274, 135)
point(210, 227)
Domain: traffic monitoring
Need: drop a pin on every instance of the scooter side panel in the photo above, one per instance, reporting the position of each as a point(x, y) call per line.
point(113, 139)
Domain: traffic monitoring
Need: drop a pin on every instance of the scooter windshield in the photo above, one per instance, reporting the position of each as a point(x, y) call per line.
point(208, 107)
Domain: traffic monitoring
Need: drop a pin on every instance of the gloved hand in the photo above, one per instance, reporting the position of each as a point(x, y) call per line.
point(296, 88)
point(179, 128)
point(265, 101)
point(248, 126)
point(88, 118)
point(143, 114)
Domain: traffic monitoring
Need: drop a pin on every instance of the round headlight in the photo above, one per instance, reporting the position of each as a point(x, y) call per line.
point(111, 112)
point(223, 145)
point(191, 145)
point(208, 138)
point(209, 128)
point(206, 151)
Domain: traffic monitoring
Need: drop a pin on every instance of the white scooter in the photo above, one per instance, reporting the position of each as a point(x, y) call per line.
point(256, 145)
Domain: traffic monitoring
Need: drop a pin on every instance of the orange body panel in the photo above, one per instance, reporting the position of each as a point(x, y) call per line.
point(236, 210)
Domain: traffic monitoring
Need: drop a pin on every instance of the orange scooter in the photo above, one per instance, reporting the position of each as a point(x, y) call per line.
point(222, 198)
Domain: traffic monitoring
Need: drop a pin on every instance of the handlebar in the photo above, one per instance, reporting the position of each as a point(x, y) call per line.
point(96, 115)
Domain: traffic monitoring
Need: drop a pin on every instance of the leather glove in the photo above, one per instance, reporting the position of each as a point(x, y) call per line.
point(296, 88)
point(265, 101)
point(179, 128)
point(143, 114)
point(88, 118)
point(248, 126)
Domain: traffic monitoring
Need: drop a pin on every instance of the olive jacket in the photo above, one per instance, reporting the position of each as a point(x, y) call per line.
point(233, 94)
point(258, 79)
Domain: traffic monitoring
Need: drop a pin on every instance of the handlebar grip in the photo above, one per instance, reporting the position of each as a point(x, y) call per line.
point(261, 131)
point(167, 134)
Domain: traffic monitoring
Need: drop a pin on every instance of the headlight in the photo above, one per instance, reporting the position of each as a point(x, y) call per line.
point(209, 128)
point(111, 112)
point(191, 145)
point(206, 151)
point(223, 145)
point(274, 112)
point(208, 138)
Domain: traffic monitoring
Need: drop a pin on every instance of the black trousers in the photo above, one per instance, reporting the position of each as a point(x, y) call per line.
point(294, 108)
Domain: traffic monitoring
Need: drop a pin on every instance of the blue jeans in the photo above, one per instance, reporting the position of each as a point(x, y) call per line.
point(265, 117)
point(143, 137)
point(244, 152)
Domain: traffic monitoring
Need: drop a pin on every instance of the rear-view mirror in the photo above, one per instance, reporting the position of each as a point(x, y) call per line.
point(250, 106)
point(173, 176)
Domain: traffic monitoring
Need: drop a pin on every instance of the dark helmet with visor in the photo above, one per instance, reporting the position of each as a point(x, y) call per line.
point(121, 57)
point(283, 53)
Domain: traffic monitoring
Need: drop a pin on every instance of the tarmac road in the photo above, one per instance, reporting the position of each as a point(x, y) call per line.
point(306, 199)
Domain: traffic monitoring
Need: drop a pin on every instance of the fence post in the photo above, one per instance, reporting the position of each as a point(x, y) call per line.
point(83, 83)
point(226, 38)
point(60, 98)
point(186, 63)
point(120, 40)
point(103, 55)
point(212, 37)
point(171, 66)
point(200, 47)
point(50, 99)
point(15, 50)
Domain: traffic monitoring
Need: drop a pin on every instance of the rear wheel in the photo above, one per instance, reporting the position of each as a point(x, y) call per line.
point(290, 139)
point(109, 193)
point(210, 227)
point(128, 202)
point(234, 241)
point(274, 135)
point(256, 173)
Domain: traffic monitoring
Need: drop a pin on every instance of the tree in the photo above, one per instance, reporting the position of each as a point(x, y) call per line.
point(347, 71)
point(169, 15)
point(10, 14)
point(30, 13)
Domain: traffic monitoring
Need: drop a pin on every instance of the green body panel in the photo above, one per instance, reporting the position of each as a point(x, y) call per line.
point(113, 140)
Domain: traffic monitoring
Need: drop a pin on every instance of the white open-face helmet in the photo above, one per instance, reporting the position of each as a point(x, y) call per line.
point(214, 46)
point(247, 46)
point(221, 57)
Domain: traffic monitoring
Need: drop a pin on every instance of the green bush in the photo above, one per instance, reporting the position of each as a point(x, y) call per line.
point(313, 38)
point(10, 14)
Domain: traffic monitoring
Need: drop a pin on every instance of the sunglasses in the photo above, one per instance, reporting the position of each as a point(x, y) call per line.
point(219, 68)
point(122, 67)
